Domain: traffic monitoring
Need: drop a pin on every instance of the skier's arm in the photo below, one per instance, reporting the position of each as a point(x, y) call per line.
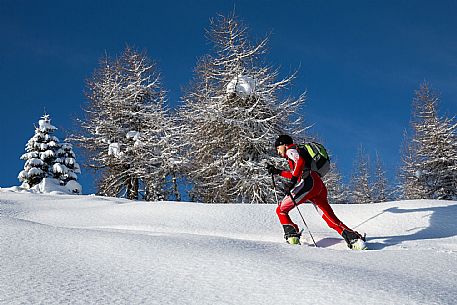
point(298, 163)
point(286, 174)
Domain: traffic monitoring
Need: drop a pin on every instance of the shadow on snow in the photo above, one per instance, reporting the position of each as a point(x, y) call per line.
point(442, 224)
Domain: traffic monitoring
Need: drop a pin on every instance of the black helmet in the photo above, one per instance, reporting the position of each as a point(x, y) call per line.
point(283, 139)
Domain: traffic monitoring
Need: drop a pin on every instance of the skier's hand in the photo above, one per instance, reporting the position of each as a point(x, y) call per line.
point(273, 170)
point(291, 184)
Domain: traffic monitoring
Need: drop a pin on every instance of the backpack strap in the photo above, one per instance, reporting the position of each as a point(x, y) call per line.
point(303, 152)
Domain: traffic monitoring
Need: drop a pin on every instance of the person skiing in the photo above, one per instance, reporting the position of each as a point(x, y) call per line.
point(306, 185)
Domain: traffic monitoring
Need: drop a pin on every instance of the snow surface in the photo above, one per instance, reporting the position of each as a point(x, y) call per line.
point(62, 249)
point(47, 186)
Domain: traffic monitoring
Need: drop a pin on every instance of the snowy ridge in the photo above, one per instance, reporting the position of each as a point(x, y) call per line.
point(88, 249)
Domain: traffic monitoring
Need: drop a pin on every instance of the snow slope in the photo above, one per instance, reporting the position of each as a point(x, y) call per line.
point(61, 249)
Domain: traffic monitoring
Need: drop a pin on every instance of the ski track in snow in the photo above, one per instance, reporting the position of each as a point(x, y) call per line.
point(92, 250)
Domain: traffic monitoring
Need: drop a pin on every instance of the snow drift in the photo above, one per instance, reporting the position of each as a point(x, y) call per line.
point(88, 249)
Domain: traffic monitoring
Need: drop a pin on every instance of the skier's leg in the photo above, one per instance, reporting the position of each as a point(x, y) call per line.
point(282, 211)
point(299, 192)
point(350, 236)
point(320, 201)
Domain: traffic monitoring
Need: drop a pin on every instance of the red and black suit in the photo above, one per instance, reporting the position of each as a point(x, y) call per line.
point(308, 187)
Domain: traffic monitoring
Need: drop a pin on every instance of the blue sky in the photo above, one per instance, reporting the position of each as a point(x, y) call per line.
point(360, 62)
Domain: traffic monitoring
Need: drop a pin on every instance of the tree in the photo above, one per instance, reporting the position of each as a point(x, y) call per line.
point(379, 188)
point(409, 186)
point(430, 169)
point(361, 191)
point(40, 153)
point(231, 116)
point(127, 131)
point(337, 192)
point(65, 167)
point(46, 158)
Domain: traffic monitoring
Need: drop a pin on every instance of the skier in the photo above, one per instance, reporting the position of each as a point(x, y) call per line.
point(306, 185)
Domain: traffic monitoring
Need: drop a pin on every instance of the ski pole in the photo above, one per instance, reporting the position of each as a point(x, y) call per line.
point(299, 212)
point(274, 187)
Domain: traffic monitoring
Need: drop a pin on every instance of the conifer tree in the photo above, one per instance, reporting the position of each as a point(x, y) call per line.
point(65, 167)
point(40, 153)
point(432, 166)
point(127, 132)
point(361, 191)
point(409, 186)
point(379, 188)
point(231, 115)
point(47, 158)
point(337, 192)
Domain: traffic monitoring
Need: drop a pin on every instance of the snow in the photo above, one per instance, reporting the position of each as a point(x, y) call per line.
point(34, 162)
point(34, 171)
point(48, 186)
point(114, 149)
point(47, 154)
point(45, 124)
point(30, 155)
point(243, 85)
point(59, 168)
point(98, 250)
point(72, 186)
point(133, 135)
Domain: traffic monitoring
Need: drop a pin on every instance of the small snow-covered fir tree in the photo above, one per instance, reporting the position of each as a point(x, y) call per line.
point(231, 115)
point(40, 153)
point(46, 158)
point(430, 169)
point(65, 167)
point(360, 188)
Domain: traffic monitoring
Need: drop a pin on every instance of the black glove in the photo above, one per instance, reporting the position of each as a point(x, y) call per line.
point(291, 184)
point(273, 170)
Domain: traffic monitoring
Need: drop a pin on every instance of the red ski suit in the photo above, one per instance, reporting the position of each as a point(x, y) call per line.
point(309, 187)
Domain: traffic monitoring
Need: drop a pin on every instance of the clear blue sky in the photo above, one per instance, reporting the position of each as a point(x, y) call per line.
point(360, 62)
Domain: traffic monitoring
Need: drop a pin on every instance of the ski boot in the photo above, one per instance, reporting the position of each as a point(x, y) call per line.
point(354, 240)
point(291, 234)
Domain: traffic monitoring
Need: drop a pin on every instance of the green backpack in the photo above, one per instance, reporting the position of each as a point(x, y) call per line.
point(316, 157)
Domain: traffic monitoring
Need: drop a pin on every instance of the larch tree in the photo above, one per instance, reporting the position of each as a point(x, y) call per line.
point(360, 184)
point(337, 191)
point(231, 115)
point(408, 179)
point(433, 150)
point(380, 191)
point(126, 132)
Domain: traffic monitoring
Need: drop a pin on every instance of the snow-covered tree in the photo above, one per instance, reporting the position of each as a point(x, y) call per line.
point(46, 158)
point(40, 153)
point(429, 169)
point(360, 188)
point(127, 131)
point(65, 167)
point(380, 191)
point(337, 191)
point(409, 186)
point(231, 115)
